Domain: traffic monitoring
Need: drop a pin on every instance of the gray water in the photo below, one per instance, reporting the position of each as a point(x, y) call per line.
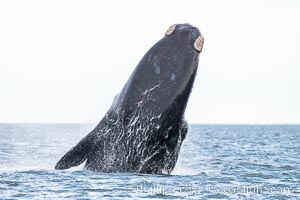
point(215, 162)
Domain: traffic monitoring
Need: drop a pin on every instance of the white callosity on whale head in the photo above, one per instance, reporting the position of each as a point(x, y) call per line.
point(171, 29)
point(199, 43)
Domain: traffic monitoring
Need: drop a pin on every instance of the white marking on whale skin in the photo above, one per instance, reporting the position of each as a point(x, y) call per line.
point(149, 90)
point(156, 65)
point(149, 58)
point(157, 68)
point(140, 103)
point(148, 158)
point(173, 77)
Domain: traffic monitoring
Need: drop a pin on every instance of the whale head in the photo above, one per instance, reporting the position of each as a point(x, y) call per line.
point(166, 71)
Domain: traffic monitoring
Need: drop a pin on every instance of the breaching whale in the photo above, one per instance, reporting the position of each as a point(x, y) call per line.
point(143, 130)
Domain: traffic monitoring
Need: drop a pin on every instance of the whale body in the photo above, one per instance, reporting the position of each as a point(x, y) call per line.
point(143, 130)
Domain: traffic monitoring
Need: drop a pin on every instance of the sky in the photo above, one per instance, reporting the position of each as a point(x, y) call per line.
point(64, 61)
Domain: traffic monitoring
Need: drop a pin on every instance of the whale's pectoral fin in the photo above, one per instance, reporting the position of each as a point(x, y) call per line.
point(75, 156)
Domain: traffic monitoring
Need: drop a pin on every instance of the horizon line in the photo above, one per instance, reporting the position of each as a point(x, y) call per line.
point(192, 123)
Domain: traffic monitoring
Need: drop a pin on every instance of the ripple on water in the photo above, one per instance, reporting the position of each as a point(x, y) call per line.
point(213, 158)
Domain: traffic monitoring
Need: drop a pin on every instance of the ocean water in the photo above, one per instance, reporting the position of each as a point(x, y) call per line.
point(215, 162)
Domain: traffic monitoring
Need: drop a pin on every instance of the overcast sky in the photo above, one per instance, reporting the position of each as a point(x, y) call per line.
point(64, 61)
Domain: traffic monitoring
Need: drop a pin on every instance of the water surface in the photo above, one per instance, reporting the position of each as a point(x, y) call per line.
point(215, 162)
